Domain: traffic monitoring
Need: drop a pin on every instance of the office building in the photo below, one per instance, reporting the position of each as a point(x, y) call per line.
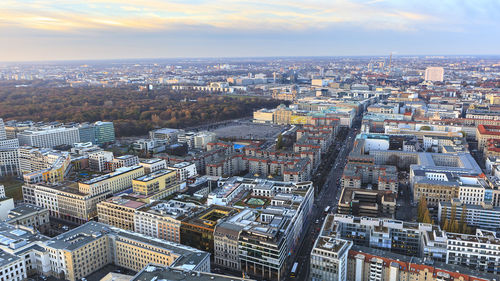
point(116, 181)
point(162, 219)
point(104, 132)
point(369, 264)
point(12, 268)
point(157, 185)
point(30, 216)
point(98, 160)
point(9, 162)
point(329, 259)
point(87, 133)
point(49, 137)
point(3, 133)
point(153, 165)
point(118, 211)
point(155, 272)
point(366, 202)
point(86, 249)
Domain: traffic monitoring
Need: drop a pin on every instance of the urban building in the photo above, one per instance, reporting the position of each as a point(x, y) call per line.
point(153, 165)
point(434, 74)
point(30, 216)
point(85, 249)
point(366, 202)
point(157, 185)
point(329, 259)
point(104, 132)
point(162, 219)
point(155, 272)
point(49, 137)
point(184, 170)
point(118, 211)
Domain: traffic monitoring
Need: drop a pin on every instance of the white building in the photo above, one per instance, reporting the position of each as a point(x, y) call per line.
point(484, 216)
point(6, 204)
point(3, 134)
point(329, 259)
point(49, 137)
point(97, 160)
point(203, 138)
point(184, 170)
point(12, 267)
point(9, 161)
point(434, 74)
point(153, 165)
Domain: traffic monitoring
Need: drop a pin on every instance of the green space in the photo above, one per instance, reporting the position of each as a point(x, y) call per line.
point(13, 187)
point(256, 201)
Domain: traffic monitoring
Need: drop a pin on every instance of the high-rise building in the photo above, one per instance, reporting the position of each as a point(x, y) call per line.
point(87, 133)
point(104, 132)
point(434, 74)
point(3, 134)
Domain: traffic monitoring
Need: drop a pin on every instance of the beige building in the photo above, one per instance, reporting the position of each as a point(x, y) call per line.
point(157, 185)
point(114, 182)
point(29, 215)
point(119, 211)
point(86, 249)
point(162, 219)
point(435, 191)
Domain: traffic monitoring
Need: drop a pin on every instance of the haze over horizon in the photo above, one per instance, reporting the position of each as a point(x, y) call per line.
point(111, 29)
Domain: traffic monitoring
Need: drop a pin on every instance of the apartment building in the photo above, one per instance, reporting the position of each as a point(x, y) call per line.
point(124, 161)
point(184, 170)
point(358, 175)
point(480, 251)
point(49, 137)
point(162, 219)
point(485, 133)
point(369, 264)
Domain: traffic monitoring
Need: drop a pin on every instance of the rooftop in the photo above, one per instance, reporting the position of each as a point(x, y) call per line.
point(154, 272)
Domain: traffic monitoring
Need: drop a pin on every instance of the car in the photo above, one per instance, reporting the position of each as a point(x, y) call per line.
point(316, 222)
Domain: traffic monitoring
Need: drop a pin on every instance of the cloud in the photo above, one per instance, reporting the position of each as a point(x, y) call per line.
point(226, 14)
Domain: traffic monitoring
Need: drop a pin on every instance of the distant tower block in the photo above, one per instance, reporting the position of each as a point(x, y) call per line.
point(434, 74)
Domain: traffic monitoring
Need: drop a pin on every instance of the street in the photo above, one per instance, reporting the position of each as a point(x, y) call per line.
point(326, 197)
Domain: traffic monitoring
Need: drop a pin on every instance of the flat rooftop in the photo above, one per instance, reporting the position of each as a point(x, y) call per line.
point(154, 175)
point(154, 272)
point(116, 173)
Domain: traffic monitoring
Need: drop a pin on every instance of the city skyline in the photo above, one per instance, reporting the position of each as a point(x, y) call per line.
point(107, 29)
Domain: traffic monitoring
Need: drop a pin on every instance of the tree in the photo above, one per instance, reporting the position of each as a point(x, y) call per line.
point(427, 217)
point(279, 142)
point(444, 214)
point(463, 219)
point(454, 227)
point(446, 225)
point(425, 128)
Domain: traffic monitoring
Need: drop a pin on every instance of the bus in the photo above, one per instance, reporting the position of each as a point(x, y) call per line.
point(293, 273)
point(327, 209)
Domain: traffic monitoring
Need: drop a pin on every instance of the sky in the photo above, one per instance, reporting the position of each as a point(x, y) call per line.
point(34, 30)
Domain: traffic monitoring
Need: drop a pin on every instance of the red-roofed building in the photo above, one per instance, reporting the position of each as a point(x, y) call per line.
point(485, 133)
